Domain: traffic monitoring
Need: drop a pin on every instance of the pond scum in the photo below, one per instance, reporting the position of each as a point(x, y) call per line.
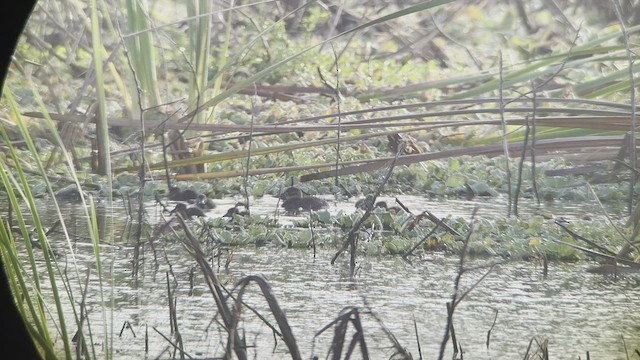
point(416, 125)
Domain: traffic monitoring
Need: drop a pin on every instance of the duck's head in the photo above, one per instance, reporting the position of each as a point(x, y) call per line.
point(291, 192)
point(236, 210)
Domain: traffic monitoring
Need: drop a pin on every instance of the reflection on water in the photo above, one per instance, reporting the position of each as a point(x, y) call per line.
point(576, 311)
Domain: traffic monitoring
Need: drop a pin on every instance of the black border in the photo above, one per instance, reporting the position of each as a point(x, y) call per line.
point(14, 337)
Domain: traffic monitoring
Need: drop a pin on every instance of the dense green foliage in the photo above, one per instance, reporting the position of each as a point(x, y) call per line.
point(462, 84)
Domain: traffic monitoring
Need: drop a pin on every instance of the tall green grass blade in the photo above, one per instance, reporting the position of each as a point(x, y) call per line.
point(142, 53)
point(46, 250)
point(222, 58)
point(27, 195)
point(102, 127)
point(617, 87)
point(113, 70)
point(33, 315)
point(102, 130)
point(199, 40)
point(72, 173)
point(590, 52)
point(592, 87)
point(100, 273)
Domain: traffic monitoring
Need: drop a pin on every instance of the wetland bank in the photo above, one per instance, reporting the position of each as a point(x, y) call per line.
point(498, 135)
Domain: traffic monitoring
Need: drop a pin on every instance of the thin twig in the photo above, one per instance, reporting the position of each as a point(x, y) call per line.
point(454, 41)
point(143, 137)
point(532, 148)
point(415, 327)
point(400, 350)
point(250, 144)
point(175, 346)
point(521, 166)
point(585, 240)
point(456, 285)
point(606, 214)
point(338, 102)
point(352, 235)
point(562, 66)
point(425, 238)
point(505, 141)
point(464, 294)
point(495, 318)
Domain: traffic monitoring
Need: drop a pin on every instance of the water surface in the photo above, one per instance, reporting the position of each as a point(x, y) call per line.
point(575, 311)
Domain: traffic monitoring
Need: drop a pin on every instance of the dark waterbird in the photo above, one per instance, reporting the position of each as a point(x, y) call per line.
point(203, 202)
point(71, 194)
point(295, 205)
point(391, 209)
point(296, 201)
point(613, 269)
point(364, 203)
point(188, 212)
point(237, 211)
point(177, 194)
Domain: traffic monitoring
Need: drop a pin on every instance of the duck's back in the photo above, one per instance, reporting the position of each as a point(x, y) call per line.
point(309, 203)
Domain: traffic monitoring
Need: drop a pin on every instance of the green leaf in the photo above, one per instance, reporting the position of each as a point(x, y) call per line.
point(455, 181)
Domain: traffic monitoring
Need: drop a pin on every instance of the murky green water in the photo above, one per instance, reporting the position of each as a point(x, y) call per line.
point(575, 311)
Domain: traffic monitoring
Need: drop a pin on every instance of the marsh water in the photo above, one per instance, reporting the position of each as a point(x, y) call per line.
point(575, 311)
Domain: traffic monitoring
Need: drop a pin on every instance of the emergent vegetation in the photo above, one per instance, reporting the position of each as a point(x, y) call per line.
point(440, 99)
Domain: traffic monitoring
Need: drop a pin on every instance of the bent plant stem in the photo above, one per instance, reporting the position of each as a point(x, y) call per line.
point(165, 160)
point(215, 287)
point(254, 311)
point(348, 314)
point(173, 318)
point(279, 315)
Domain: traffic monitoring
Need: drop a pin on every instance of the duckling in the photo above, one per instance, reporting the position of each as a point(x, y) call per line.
point(363, 204)
point(236, 211)
point(392, 209)
point(612, 269)
point(71, 194)
point(176, 194)
point(295, 205)
point(203, 202)
point(188, 212)
point(296, 200)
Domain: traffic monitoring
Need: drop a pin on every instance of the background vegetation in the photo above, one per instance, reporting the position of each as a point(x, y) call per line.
point(447, 98)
